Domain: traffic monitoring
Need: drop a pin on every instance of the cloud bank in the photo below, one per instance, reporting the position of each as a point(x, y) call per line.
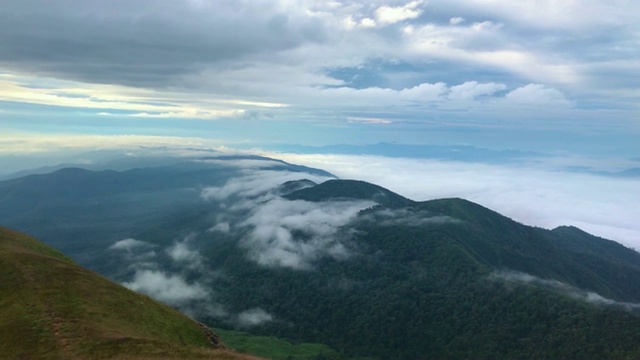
point(541, 192)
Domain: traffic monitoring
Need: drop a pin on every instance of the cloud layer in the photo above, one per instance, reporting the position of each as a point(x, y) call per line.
point(539, 192)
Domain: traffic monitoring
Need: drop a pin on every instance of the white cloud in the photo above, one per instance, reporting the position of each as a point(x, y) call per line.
point(181, 252)
point(293, 234)
point(367, 23)
point(456, 20)
point(282, 233)
point(255, 183)
point(170, 289)
point(223, 227)
point(168, 282)
point(129, 244)
point(472, 89)
point(576, 293)
point(376, 96)
point(253, 317)
point(125, 100)
point(564, 15)
point(481, 45)
point(140, 254)
point(537, 94)
point(368, 120)
point(393, 14)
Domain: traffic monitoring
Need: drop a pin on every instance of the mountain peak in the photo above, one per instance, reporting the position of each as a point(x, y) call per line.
point(349, 190)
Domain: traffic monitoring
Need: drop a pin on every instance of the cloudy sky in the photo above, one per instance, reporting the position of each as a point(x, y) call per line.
point(558, 78)
point(531, 74)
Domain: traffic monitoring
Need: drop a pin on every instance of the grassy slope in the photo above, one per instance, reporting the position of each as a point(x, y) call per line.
point(51, 308)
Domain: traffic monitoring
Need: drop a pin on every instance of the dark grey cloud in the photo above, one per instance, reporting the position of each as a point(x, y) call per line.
point(144, 43)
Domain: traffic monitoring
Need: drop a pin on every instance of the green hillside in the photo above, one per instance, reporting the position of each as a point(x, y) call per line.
point(50, 308)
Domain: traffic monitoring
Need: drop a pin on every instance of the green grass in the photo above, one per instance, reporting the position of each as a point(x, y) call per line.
point(51, 308)
point(271, 347)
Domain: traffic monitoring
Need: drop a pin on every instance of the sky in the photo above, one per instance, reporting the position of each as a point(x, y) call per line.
point(558, 75)
point(558, 79)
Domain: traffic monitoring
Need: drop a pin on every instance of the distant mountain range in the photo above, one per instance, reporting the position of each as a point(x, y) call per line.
point(282, 250)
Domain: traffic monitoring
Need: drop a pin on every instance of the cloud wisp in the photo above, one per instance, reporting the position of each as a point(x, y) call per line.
point(170, 289)
point(572, 291)
point(255, 183)
point(405, 217)
point(253, 317)
point(129, 244)
point(138, 254)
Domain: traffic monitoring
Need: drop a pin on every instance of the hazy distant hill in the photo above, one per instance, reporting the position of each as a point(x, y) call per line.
point(54, 309)
point(276, 249)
